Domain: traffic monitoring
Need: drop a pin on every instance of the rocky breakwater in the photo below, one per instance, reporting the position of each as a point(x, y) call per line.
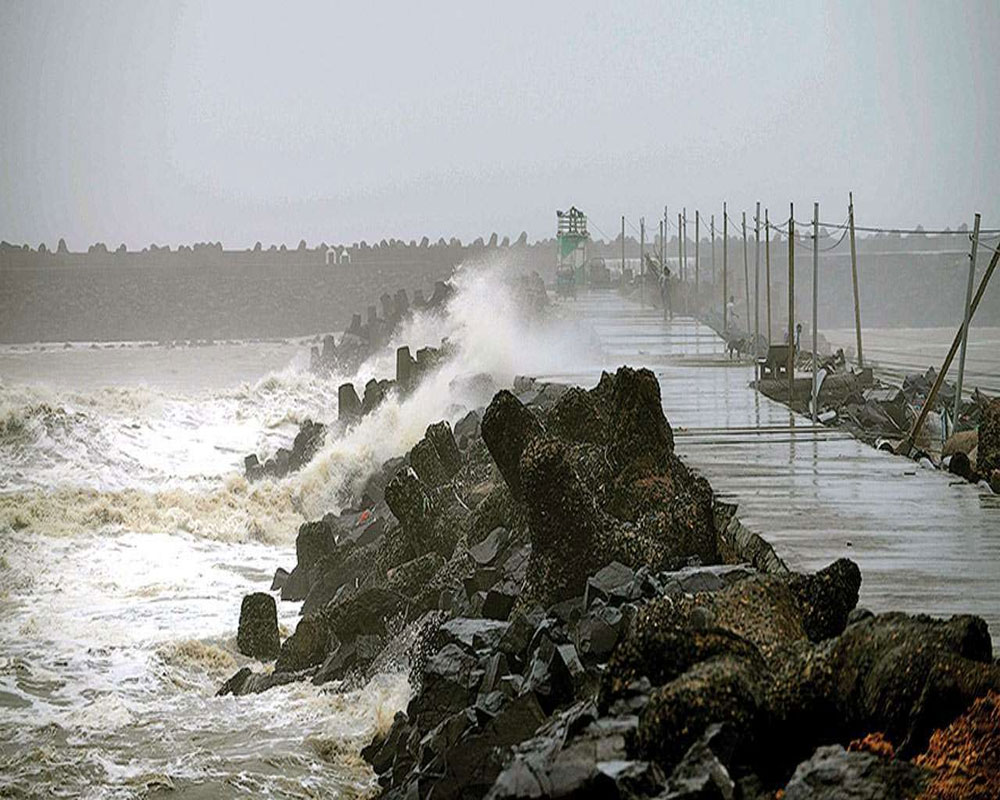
point(365, 336)
point(351, 408)
point(582, 618)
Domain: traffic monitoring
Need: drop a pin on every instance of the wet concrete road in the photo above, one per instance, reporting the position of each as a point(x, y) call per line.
point(925, 542)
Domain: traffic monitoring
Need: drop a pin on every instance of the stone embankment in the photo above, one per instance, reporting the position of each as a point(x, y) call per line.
point(581, 616)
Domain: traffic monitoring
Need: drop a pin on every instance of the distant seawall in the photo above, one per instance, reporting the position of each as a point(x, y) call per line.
point(206, 292)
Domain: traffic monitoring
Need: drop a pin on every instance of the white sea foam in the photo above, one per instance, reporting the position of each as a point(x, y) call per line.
point(136, 459)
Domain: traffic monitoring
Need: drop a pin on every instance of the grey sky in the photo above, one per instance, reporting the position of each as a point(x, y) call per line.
point(153, 122)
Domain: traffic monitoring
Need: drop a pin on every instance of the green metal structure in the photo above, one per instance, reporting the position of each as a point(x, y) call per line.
point(572, 236)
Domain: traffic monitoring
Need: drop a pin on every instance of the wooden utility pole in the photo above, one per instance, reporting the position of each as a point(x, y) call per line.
point(623, 247)
point(791, 302)
point(746, 272)
point(684, 239)
point(642, 260)
point(815, 384)
point(660, 243)
point(756, 279)
point(965, 324)
point(854, 278)
point(907, 444)
point(725, 267)
point(767, 270)
point(680, 247)
point(666, 233)
point(697, 234)
point(713, 250)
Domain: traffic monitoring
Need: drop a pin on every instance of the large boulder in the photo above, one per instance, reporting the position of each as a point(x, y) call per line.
point(258, 631)
point(441, 437)
point(903, 675)
point(305, 648)
point(640, 432)
point(507, 428)
point(563, 521)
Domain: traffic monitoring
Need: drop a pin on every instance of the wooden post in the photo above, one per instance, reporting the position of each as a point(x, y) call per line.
point(756, 279)
point(642, 260)
point(680, 246)
point(815, 383)
point(684, 239)
point(713, 250)
point(697, 233)
point(746, 273)
point(623, 248)
point(767, 270)
point(965, 324)
point(854, 278)
point(725, 268)
point(907, 444)
point(791, 302)
point(666, 233)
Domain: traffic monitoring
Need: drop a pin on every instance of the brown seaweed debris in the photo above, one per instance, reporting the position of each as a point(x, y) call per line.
point(965, 756)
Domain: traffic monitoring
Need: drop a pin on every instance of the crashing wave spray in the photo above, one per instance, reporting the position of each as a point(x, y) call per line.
point(489, 333)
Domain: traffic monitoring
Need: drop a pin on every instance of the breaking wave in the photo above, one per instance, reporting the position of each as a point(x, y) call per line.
point(132, 458)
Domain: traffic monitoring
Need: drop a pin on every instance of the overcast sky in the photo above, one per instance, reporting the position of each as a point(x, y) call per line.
point(155, 122)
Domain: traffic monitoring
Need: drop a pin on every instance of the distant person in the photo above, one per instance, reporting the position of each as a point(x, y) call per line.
point(668, 311)
point(798, 337)
point(731, 315)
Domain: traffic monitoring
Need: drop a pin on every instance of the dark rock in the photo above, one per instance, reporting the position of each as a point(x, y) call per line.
point(639, 430)
point(381, 753)
point(486, 551)
point(314, 540)
point(449, 681)
point(296, 586)
point(365, 612)
point(520, 631)
point(612, 583)
point(246, 682)
point(468, 426)
point(425, 462)
point(724, 689)
point(578, 755)
point(307, 441)
point(412, 577)
point(305, 648)
point(252, 468)
point(499, 602)
point(563, 521)
point(235, 683)
point(827, 598)
point(901, 675)
point(375, 392)
point(703, 773)
point(833, 773)
point(507, 428)
point(960, 465)
point(348, 403)
point(405, 369)
point(280, 577)
point(472, 634)
point(597, 633)
point(258, 630)
point(440, 436)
